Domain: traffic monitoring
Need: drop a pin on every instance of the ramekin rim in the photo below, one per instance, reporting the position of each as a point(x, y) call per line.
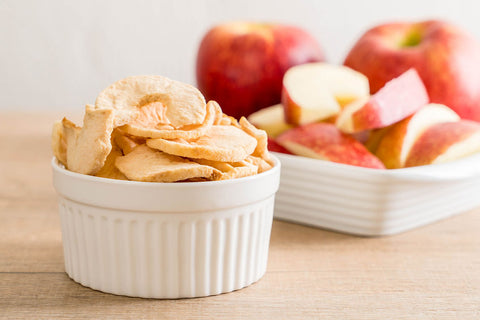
point(56, 167)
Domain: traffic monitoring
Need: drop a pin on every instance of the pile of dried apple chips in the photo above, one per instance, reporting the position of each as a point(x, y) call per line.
point(150, 128)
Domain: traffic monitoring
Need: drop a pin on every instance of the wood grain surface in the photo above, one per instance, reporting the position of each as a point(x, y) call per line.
point(428, 273)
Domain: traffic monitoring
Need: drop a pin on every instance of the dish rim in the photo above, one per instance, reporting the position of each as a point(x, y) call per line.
point(57, 167)
point(470, 167)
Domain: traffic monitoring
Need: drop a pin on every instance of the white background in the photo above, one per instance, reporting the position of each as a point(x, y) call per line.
point(59, 54)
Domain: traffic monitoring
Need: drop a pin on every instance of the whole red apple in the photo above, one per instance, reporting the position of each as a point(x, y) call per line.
point(241, 64)
point(446, 58)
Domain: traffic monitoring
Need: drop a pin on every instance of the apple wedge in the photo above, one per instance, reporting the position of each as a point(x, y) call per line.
point(374, 138)
point(399, 98)
point(444, 142)
point(275, 147)
point(270, 119)
point(316, 91)
point(399, 138)
point(324, 141)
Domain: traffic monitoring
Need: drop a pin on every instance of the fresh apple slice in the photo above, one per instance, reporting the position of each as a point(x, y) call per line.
point(345, 119)
point(444, 142)
point(361, 136)
point(270, 119)
point(307, 104)
point(275, 147)
point(399, 98)
point(332, 119)
point(396, 143)
point(324, 141)
point(316, 91)
point(374, 138)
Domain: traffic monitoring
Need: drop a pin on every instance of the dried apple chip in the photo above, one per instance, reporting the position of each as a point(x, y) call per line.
point(150, 128)
point(88, 148)
point(126, 143)
point(59, 143)
point(260, 163)
point(145, 164)
point(228, 121)
point(70, 130)
point(221, 143)
point(194, 180)
point(179, 105)
point(109, 170)
point(220, 117)
point(231, 170)
point(149, 124)
point(261, 150)
point(69, 133)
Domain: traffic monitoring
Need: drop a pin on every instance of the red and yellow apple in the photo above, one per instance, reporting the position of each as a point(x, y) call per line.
point(396, 143)
point(241, 64)
point(399, 98)
point(446, 58)
point(317, 91)
point(444, 142)
point(324, 141)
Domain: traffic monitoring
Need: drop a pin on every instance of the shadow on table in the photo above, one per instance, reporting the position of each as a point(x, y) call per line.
point(52, 295)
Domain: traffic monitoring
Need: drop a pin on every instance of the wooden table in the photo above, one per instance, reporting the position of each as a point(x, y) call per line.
point(429, 273)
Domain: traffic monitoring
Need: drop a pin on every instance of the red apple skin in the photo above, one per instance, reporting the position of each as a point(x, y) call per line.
point(446, 58)
point(331, 144)
point(437, 139)
point(241, 64)
point(292, 111)
point(398, 99)
point(275, 147)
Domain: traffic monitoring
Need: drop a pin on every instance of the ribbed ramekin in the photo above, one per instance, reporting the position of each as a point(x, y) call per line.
point(165, 240)
point(371, 202)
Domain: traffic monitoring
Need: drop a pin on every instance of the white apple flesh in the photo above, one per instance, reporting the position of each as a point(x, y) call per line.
point(270, 119)
point(316, 91)
point(445, 142)
point(398, 140)
point(399, 98)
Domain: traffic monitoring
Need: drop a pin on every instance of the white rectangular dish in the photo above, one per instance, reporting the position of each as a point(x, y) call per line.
point(372, 202)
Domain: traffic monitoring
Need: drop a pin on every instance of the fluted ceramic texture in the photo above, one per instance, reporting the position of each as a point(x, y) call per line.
point(166, 255)
point(165, 240)
point(374, 202)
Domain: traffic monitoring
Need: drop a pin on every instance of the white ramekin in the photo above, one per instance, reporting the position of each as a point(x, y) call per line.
point(165, 240)
point(372, 202)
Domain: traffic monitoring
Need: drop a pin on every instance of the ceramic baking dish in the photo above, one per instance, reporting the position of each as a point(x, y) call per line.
point(165, 240)
point(371, 202)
